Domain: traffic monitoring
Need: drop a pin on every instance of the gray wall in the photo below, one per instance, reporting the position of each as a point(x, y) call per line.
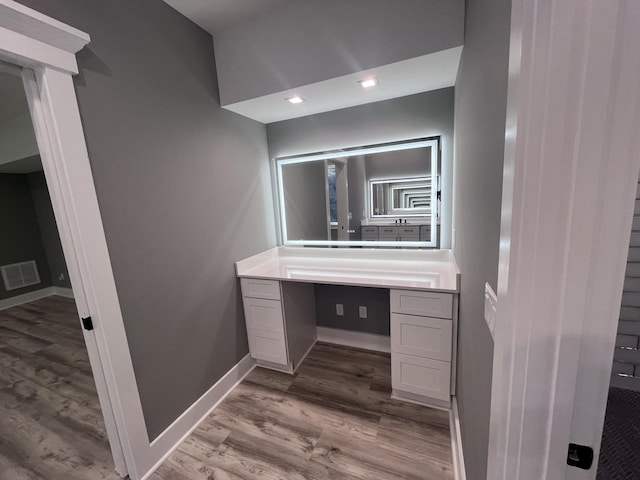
point(183, 188)
point(403, 163)
point(307, 41)
point(375, 299)
point(305, 200)
point(481, 93)
point(422, 115)
point(48, 230)
point(20, 238)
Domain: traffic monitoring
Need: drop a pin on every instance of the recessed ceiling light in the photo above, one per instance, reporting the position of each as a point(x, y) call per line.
point(368, 82)
point(295, 99)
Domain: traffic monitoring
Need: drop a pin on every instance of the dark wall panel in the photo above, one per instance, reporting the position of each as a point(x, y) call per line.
point(20, 238)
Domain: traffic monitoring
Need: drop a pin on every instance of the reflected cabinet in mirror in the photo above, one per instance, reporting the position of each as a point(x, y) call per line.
point(380, 195)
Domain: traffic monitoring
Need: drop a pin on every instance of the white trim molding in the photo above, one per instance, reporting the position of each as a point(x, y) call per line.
point(572, 158)
point(35, 295)
point(26, 297)
point(45, 48)
point(169, 440)
point(32, 39)
point(349, 338)
point(63, 292)
point(459, 470)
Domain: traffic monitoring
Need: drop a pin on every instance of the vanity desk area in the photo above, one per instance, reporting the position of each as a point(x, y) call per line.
point(279, 305)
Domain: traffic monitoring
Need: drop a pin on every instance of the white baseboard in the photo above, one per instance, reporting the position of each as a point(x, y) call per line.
point(165, 444)
point(420, 400)
point(349, 338)
point(35, 295)
point(459, 472)
point(26, 298)
point(63, 292)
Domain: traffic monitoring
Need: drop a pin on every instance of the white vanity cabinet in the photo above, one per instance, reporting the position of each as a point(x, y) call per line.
point(422, 345)
point(265, 320)
point(280, 311)
point(399, 232)
point(274, 342)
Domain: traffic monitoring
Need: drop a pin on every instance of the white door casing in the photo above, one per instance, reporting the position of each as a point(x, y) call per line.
point(572, 157)
point(47, 48)
point(71, 253)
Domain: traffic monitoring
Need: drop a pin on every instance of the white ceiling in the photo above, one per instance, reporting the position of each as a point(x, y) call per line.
point(420, 74)
point(216, 15)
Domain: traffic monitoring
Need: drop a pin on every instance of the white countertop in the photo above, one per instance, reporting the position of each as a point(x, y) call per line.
point(367, 267)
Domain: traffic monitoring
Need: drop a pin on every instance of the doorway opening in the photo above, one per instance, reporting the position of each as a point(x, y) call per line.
point(48, 398)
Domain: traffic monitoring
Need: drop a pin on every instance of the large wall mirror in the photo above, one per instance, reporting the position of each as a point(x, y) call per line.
point(384, 195)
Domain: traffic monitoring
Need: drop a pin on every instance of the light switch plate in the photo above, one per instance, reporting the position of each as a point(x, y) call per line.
point(363, 311)
point(339, 309)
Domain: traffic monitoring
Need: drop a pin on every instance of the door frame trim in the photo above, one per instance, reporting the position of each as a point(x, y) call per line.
point(572, 158)
point(46, 50)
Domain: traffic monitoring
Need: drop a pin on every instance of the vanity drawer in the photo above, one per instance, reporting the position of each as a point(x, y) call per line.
point(421, 336)
point(268, 346)
point(264, 315)
point(258, 288)
point(388, 231)
point(408, 230)
point(411, 234)
point(421, 376)
point(425, 233)
point(426, 304)
point(369, 233)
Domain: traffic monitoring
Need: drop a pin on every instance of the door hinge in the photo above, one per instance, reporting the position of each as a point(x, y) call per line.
point(87, 323)
point(580, 456)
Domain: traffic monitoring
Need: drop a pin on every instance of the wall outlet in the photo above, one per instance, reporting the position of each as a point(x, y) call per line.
point(339, 309)
point(362, 311)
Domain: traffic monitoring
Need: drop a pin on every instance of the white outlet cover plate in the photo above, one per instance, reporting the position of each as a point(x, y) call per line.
point(339, 309)
point(363, 312)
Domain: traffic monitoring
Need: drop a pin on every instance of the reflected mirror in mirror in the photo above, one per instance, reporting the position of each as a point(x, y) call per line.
point(381, 195)
point(402, 196)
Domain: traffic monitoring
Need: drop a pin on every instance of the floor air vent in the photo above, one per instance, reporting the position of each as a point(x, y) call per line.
point(20, 275)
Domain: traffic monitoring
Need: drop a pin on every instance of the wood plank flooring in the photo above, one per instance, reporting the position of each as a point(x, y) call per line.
point(333, 420)
point(51, 427)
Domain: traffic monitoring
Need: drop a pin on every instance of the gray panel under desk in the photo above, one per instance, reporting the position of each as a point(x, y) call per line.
point(375, 299)
point(299, 303)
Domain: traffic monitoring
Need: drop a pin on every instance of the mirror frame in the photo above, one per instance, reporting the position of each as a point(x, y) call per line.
point(432, 142)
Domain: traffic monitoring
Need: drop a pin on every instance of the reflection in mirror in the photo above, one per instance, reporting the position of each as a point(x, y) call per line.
point(382, 195)
point(401, 196)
